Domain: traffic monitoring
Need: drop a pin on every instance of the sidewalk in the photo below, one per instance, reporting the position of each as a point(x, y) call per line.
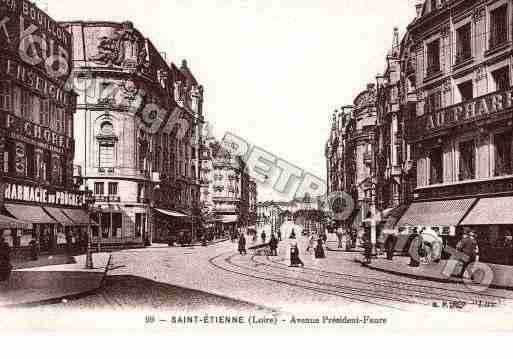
point(49, 284)
point(502, 275)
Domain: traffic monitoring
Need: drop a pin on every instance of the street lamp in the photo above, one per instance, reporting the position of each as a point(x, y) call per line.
point(89, 204)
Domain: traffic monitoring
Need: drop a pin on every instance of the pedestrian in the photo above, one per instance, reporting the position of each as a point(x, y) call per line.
point(295, 261)
point(415, 243)
point(242, 244)
point(468, 246)
point(319, 249)
point(339, 233)
point(390, 243)
point(279, 235)
point(293, 234)
point(263, 236)
point(311, 244)
point(5, 260)
point(273, 245)
point(508, 248)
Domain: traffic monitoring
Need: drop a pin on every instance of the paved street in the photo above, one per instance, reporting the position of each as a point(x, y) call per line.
point(218, 278)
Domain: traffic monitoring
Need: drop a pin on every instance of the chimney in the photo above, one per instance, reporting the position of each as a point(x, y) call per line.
point(418, 8)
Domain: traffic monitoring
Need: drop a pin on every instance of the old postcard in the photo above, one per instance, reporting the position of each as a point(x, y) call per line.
point(246, 165)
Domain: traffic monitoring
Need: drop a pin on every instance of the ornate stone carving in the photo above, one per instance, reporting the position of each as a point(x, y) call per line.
point(481, 73)
point(447, 86)
point(121, 47)
point(444, 31)
point(478, 14)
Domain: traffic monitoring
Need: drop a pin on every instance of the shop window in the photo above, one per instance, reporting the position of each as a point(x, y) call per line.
point(117, 225)
point(501, 79)
point(434, 102)
point(463, 43)
point(503, 165)
point(498, 26)
point(466, 91)
point(105, 225)
point(5, 95)
point(467, 160)
point(106, 155)
point(433, 57)
point(99, 188)
point(113, 188)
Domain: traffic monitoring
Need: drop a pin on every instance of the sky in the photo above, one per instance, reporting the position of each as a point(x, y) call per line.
point(273, 71)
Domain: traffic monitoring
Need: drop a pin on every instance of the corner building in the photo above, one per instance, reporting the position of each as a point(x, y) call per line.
point(461, 134)
point(138, 117)
point(38, 197)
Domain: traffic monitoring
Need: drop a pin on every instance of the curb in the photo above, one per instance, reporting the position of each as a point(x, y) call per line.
point(60, 298)
point(425, 277)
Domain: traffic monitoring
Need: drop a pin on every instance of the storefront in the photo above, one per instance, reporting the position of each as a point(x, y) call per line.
point(170, 225)
point(36, 213)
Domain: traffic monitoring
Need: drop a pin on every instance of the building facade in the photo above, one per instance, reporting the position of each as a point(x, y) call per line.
point(461, 133)
point(141, 118)
point(38, 197)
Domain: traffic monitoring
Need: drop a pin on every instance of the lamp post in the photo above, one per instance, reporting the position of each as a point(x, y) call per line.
point(89, 204)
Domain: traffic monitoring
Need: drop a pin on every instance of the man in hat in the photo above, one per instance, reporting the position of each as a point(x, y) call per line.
point(468, 246)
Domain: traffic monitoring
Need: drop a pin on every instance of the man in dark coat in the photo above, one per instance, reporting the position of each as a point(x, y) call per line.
point(273, 244)
point(5, 260)
point(242, 244)
point(264, 236)
point(319, 250)
point(468, 245)
point(295, 261)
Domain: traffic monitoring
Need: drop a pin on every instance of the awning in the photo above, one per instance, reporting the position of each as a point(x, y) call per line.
point(171, 213)
point(497, 210)
point(60, 217)
point(228, 219)
point(439, 213)
point(392, 215)
point(8, 222)
point(32, 214)
point(78, 216)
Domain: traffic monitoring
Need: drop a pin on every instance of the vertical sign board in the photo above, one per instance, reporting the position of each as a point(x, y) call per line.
point(29, 34)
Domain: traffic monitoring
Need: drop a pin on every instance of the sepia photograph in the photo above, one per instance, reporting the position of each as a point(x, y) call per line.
point(256, 165)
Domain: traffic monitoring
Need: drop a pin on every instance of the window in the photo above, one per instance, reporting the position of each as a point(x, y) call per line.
point(463, 43)
point(433, 5)
point(434, 102)
point(503, 165)
point(107, 155)
point(27, 108)
point(31, 161)
point(46, 168)
point(433, 57)
point(501, 79)
point(16, 100)
point(44, 112)
point(113, 188)
point(466, 91)
point(99, 188)
point(498, 26)
point(5, 95)
point(467, 160)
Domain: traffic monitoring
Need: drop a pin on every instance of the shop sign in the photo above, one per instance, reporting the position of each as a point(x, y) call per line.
point(35, 38)
point(28, 193)
point(487, 105)
point(23, 130)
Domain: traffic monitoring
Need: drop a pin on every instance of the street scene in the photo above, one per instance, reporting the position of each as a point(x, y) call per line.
point(215, 164)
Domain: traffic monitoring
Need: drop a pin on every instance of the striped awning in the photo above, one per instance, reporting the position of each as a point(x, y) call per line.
point(171, 213)
point(13, 223)
point(78, 216)
point(438, 213)
point(32, 214)
point(59, 216)
point(489, 211)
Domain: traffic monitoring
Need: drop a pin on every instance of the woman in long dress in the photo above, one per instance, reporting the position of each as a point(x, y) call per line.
point(295, 261)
